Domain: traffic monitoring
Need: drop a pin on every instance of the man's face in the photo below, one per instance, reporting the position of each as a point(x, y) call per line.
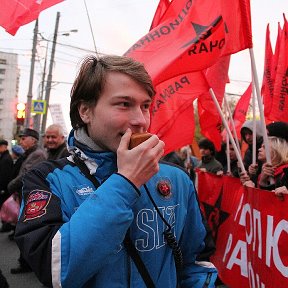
point(123, 104)
point(27, 142)
point(205, 152)
point(248, 137)
point(53, 139)
point(3, 148)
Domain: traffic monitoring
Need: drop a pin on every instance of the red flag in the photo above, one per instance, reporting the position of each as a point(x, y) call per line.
point(172, 114)
point(167, 52)
point(16, 13)
point(160, 11)
point(280, 97)
point(178, 45)
point(209, 118)
point(267, 83)
point(240, 111)
point(276, 52)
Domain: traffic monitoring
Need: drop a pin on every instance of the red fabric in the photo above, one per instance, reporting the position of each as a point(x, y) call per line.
point(172, 113)
point(167, 52)
point(209, 118)
point(250, 226)
point(160, 11)
point(276, 52)
point(179, 45)
point(240, 111)
point(267, 83)
point(280, 97)
point(16, 13)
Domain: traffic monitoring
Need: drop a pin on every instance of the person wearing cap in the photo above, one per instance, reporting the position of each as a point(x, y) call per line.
point(33, 155)
point(6, 166)
point(208, 163)
point(17, 153)
point(278, 129)
point(55, 142)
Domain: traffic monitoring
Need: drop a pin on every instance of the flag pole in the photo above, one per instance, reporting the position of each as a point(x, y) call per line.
point(29, 95)
point(260, 105)
point(228, 130)
point(50, 74)
point(91, 30)
point(232, 122)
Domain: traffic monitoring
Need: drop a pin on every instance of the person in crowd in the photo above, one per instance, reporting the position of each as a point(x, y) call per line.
point(83, 215)
point(208, 163)
point(190, 161)
point(247, 136)
point(234, 167)
point(278, 129)
point(33, 155)
point(174, 157)
point(277, 169)
point(17, 154)
point(55, 142)
point(221, 155)
point(6, 166)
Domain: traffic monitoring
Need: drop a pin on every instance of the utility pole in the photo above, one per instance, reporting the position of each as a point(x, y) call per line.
point(29, 95)
point(49, 78)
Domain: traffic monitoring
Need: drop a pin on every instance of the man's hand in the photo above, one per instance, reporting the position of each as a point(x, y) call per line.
point(140, 163)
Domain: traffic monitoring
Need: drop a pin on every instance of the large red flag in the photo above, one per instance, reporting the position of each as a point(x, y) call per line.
point(209, 118)
point(267, 83)
point(164, 65)
point(190, 37)
point(16, 13)
point(280, 97)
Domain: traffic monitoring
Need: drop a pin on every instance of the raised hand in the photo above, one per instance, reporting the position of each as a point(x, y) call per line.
point(142, 162)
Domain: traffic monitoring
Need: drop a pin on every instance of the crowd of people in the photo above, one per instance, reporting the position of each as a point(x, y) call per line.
point(23, 157)
point(86, 212)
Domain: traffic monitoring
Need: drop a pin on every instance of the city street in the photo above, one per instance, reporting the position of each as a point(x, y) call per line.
point(8, 259)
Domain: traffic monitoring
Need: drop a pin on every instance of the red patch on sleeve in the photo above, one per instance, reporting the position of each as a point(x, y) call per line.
point(36, 204)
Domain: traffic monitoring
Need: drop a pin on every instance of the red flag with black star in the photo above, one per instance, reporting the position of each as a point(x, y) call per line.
point(16, 13)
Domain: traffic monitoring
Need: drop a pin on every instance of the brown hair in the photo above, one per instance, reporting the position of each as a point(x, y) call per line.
point(91, 77)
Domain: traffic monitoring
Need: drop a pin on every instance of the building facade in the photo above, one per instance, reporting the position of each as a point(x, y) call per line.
point(9, 84)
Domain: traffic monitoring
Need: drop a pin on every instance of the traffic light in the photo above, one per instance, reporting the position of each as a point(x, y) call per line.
point(20, 116)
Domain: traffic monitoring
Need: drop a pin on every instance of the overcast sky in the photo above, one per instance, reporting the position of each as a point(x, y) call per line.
point(117, 24)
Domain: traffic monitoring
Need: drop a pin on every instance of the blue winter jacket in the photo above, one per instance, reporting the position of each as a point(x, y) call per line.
point(72, 233)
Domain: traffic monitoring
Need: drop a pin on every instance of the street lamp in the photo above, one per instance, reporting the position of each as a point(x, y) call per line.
point(48, 40)
point(49, 80)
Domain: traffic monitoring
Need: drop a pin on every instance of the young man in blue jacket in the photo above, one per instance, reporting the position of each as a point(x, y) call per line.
point(72, 229)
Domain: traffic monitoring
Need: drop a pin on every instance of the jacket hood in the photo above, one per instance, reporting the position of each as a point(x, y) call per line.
point(248, 125)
